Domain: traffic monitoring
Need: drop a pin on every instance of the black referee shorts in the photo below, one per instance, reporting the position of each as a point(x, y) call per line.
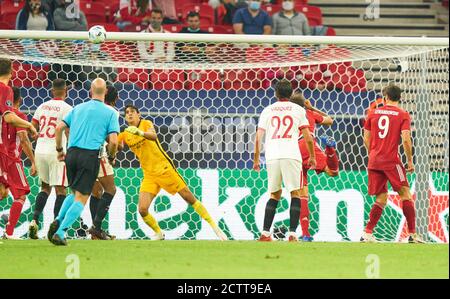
point(82, 168)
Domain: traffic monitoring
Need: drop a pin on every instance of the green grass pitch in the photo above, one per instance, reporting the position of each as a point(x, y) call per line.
point(214, 259)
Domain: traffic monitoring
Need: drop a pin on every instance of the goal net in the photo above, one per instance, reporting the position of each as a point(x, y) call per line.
point(204, 94)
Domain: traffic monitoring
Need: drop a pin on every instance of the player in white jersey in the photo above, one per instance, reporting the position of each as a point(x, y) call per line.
point(281, 124)
point(104, 188)
point(52, 173)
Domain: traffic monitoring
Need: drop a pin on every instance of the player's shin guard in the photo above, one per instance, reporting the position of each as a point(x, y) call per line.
point(332, 158)
point(151, 221)
point(93, 206)
point(294, 214)
point(304, 216)
point(102, 209)
point(65, 207)
point(58, 204)
point(410, 215)
point(374, 216)
point(14, 215)
point(269, 214)
point(41, 200)
point(72, 214)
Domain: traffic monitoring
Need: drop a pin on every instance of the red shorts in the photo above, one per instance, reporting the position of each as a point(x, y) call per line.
point(4, 170)
point(321, 159)
point(18, 183)
point(378, 179)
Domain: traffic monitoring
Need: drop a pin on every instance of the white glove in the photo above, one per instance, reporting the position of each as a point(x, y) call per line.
point(134, 130)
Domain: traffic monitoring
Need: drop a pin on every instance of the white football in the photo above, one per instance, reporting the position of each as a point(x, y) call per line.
point(97, 34)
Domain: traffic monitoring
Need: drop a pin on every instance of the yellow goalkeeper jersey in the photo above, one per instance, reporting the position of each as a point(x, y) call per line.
point(152, 157)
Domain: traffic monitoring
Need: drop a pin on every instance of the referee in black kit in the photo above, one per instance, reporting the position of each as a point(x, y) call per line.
point(90, 124)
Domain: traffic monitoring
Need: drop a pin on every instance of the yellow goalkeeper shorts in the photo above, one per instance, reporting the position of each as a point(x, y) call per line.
point(169, 180)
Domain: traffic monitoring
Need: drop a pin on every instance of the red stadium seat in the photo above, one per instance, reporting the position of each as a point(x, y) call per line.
point(10, 18)
point(271, 9)
point(218, 29)
point(5, 26)
point(30, 75)
point(313, 13)
point(95, 12)
point(109, 27)
point(167, 79)
point(118, 51)
point(111, 7)
point(173, 27)
point(10, 6)
point(180, 3)
point(241, 79)
point(331, 31)
point(138, 77)
point(260, 54)
point(133, 28)
point(207, 15)
point(206, 80)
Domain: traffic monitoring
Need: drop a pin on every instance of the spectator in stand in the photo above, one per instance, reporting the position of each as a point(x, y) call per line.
point(34, 16)
point(156, 51)
point(289, 22)
point(191, 51)
point(252, 20)
point(136, 12)
point(67, 19)
point(169, 10)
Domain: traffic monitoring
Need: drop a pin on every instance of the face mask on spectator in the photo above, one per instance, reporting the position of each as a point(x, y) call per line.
point(35, 6)
point(193, 30)
point(155, 24)
point(254, 5)
point(288, 5)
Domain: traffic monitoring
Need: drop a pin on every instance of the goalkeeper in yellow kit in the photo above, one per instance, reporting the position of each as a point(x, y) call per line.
point(159, 170)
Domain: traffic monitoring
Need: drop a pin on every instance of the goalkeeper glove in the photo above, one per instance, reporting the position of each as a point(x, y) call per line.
point(135, 131)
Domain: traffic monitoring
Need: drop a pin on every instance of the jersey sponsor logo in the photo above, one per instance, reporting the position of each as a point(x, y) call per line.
point(9, 103)
point(387, 112)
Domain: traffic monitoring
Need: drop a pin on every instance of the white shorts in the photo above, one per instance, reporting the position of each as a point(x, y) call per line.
point(105, 168)
point(50, 170)
point(288, 171)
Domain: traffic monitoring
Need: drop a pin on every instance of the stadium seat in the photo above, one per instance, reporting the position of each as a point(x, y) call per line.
point(133, 28)
point(167, 79)
point(260, 54)
point(313, 13)
point(95, 12)
point(218, 29)
point(241, 79)
point(111, 7)
point(207, 15)
point(331, 31)
point(10, 18)
point(271, 9)
point(138, 77)
point(180, 3)
point(117, 51)
point(5, 26)
point(30, 75)
point(10, 6)
point(205, 80)
point(173, 27)
point(109, 27)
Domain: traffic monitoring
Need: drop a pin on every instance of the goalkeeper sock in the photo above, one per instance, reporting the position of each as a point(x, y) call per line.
point(102, 209)
point(65, 207)
point(271, 207)
point(93, 206)
point(304, 216)
point(374, 216)
point(41, 200)
point(58, 203)
point(410, 215)
point(201, 210)
point(151, 221)
point(294, 214)
point(14, 215)
point(332, 158)
point(72, 214)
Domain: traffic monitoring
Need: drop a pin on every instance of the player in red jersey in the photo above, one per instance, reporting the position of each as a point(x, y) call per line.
point(17, 139)
point(383, 129)
point(327, 161)
point(8, 118)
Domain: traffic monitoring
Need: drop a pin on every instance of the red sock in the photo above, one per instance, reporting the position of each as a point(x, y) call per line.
point(304, 216)
point(374, 216)
point(332, 158)
point(14, 215)
point(410, 214)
